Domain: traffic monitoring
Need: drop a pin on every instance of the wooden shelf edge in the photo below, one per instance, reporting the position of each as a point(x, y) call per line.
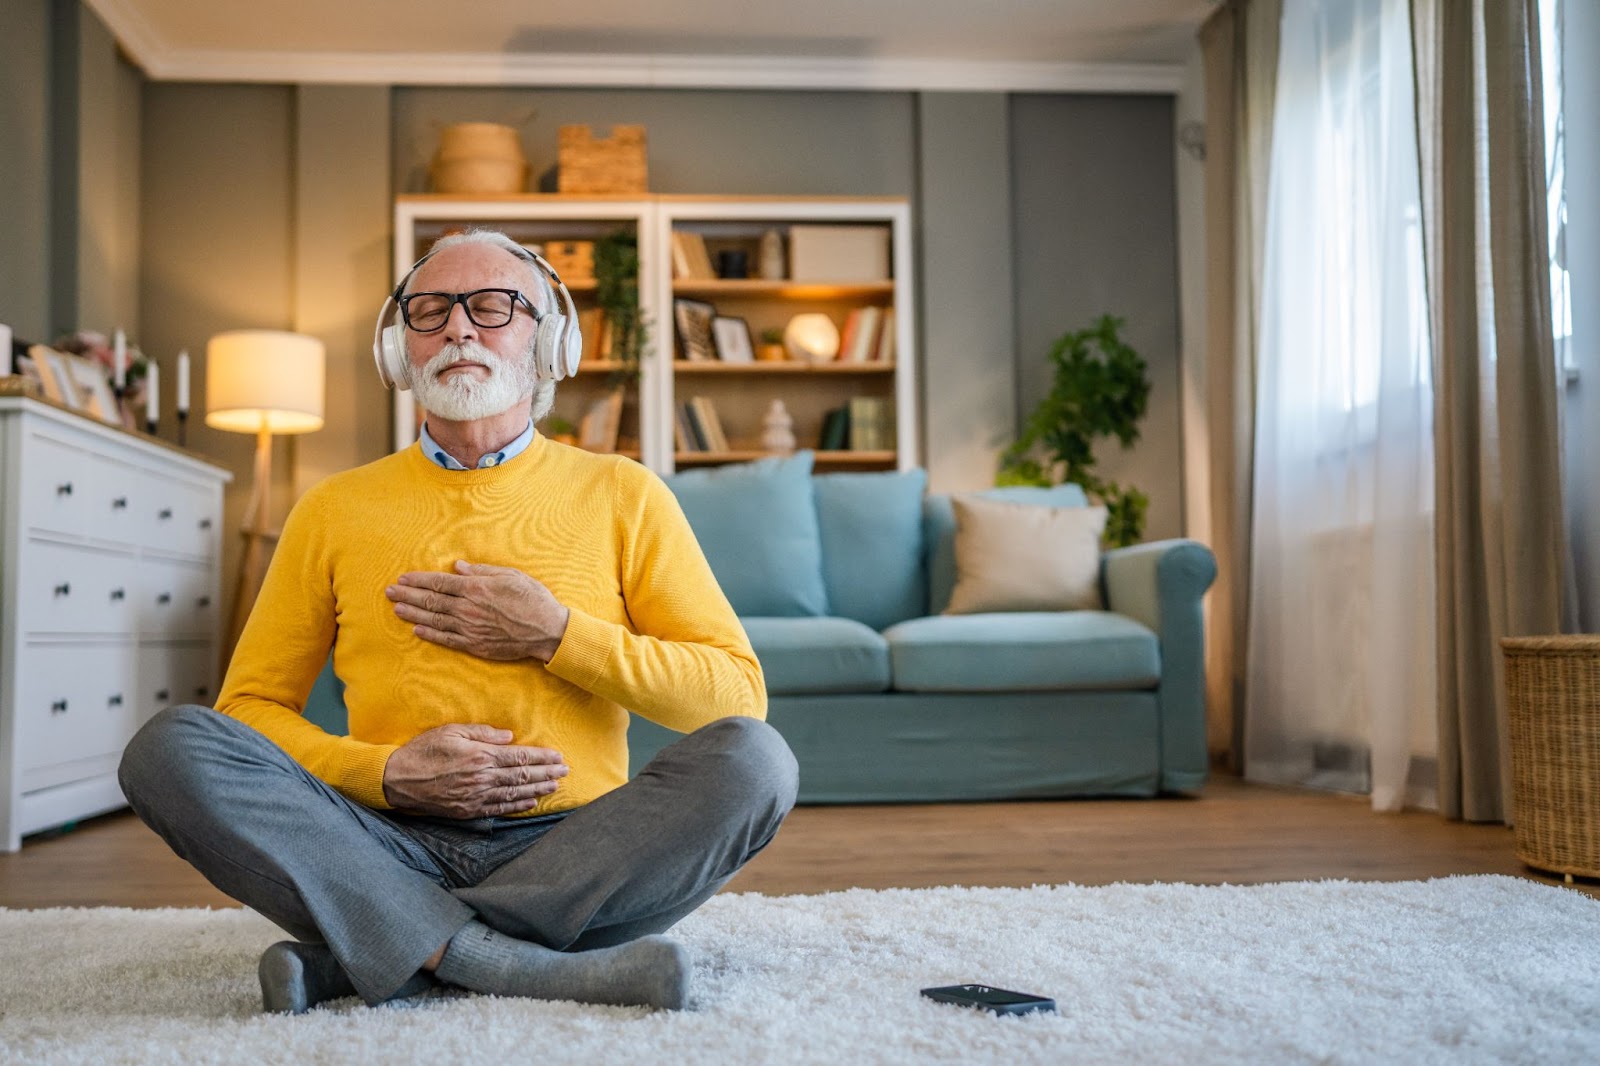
point(693, 366)
point(747, 455)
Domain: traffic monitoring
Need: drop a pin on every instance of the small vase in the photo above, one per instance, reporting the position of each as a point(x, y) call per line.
point(777, 430)
point(772, 266)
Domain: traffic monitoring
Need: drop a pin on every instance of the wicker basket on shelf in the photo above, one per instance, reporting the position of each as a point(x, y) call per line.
point(1553, 711)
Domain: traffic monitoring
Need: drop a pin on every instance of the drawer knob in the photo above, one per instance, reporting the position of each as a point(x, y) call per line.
point(119, 594)
point(63, 589)
point(115, 700)
point(205, 523)
point(164, 514)
point(58, 707)
point(164, 695)
point(64, 489)
point(202, 692)
point(203, 601)
point(164, 598)
point(119, 504)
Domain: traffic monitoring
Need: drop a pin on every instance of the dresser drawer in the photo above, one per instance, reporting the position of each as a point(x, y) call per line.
point(177, 517)
point(175, 599)
point(173, 674)
point(58, 492)
point(75, 702)
point(67, 589)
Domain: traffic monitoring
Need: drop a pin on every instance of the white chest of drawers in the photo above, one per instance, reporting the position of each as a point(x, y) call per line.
point(109, 604)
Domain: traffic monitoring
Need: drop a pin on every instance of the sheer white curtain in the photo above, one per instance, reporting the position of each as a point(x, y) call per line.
point(1341, 677)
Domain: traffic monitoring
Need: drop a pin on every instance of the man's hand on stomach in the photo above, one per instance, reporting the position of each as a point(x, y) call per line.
point(469, 771)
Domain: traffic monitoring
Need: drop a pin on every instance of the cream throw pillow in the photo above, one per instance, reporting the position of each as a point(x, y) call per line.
point(1023, 557)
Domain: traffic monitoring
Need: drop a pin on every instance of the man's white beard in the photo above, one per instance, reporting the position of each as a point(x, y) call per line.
point(463, 397)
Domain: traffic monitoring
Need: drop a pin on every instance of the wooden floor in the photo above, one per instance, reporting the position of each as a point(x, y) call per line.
point(1236, 833)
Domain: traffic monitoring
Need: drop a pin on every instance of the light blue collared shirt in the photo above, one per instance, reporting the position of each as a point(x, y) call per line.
point(431, 449)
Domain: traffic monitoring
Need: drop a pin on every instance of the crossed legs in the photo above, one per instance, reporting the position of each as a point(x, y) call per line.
point(328, 870)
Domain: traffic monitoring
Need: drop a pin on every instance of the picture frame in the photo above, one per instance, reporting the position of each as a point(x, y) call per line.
point(732, 338)
point(692, 319)
point(95, 397)
point(598, 429)
point(55, 376)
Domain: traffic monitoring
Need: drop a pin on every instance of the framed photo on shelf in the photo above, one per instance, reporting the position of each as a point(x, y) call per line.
point(693, 319)
point(55, 375)
point(732, 337)
point(94, 389)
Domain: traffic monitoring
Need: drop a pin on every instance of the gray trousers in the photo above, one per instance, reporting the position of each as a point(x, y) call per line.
point(385, 890)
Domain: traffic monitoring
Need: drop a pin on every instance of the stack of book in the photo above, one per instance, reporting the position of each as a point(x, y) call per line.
point(868, 336)
point(697, 427)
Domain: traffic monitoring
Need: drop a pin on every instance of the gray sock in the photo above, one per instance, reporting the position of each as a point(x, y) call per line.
point(652, 971)
point(296, 977)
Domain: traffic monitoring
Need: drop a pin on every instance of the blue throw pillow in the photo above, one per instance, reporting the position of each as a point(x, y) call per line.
point(757, 524)
point(872, 545)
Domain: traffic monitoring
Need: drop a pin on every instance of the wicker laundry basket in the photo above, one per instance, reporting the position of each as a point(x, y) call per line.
point(1553, 707)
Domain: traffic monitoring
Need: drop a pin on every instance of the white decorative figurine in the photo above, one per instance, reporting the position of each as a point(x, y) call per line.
point(777, 429)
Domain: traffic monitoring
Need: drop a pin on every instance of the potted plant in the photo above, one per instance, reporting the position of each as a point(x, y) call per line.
point(771, 349)
point(1099, 390)
point(616, 275)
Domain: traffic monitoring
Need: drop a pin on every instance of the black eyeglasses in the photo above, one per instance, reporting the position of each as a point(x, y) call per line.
point(426, 312)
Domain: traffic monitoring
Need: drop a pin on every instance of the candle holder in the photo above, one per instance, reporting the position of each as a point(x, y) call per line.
point(183, 428)
point(150, 426)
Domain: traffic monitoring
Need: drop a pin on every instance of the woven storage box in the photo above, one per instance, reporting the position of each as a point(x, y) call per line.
point(573, 260)
point(479, 159)
point(590, 164)
point(1553, 711)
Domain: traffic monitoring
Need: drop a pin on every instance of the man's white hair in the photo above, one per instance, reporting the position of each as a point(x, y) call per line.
point(541, 293)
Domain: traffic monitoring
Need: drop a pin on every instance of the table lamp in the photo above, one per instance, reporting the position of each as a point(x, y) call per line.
point(261, 381)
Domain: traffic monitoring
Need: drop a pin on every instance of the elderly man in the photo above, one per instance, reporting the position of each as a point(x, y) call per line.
point(493, 602)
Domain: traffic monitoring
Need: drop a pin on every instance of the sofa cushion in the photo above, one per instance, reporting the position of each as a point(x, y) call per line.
point(1025, 651)
point(939, 530)
point(872, 563)
point(757, 524)
point(1023, 557)
point(809, 656)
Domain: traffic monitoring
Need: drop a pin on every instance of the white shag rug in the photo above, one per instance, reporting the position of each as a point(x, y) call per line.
point(1457, 970)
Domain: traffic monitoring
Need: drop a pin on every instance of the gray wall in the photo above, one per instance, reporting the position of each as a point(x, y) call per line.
point(725, 142)
point(25, 169)
point(1582, 425)
point(216, 255)
point(1094, 231)
point(107, 208)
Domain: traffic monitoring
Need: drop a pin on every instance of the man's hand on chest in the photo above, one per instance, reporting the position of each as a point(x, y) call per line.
point(493, 612)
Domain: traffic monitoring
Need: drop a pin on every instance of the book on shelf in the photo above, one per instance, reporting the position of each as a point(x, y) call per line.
point(594, 328)
point(598, 430)
point(871, 424)
point(885, 352)
point(864, 338)
point(835, 430)
point(684, 432)
point(690, 260)
point(692, 322)
point(705, 417)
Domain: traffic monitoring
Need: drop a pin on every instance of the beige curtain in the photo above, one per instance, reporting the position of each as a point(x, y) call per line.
point(1239, 43)
point(1499, 540)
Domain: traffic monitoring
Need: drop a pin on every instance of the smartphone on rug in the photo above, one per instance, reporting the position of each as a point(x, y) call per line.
point(994, 1000)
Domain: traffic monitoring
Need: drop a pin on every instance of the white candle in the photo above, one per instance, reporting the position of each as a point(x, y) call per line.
point(183, 381)
point(152, 393)
point(119, 363)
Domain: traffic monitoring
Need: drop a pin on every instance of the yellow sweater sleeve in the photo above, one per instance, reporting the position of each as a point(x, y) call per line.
point(282, 650)
point(685, 661)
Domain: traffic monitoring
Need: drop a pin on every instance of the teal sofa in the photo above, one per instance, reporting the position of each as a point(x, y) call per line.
point(840, 579)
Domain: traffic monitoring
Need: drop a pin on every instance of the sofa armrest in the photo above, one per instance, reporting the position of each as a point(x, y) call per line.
point(1161, 585)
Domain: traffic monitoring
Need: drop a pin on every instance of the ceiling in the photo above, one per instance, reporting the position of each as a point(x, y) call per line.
point(1111, 45)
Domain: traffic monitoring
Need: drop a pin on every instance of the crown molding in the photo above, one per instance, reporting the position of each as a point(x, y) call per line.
point(162, 63)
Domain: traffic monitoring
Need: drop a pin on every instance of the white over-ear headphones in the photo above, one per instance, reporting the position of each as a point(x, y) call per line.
point(557, 346)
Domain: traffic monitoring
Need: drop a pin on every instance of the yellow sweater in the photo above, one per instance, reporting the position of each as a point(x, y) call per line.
point(650, 629)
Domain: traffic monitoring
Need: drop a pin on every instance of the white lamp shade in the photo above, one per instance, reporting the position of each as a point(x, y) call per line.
point(268, 378)
point(811, 337)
